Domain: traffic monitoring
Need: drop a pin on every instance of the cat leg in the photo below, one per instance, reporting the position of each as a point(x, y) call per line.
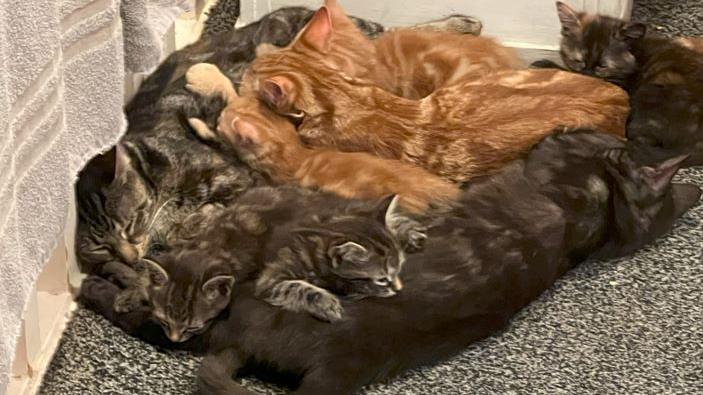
point(120, 273)
point(461, 24)
point(300, 295)
point(546, 64)
point(207, 80)
point(216, 371)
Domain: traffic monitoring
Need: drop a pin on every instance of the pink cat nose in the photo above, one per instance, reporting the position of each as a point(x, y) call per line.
point(175, 335)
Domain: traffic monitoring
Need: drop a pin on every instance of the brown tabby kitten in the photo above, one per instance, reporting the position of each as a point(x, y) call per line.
point(664, 77)
point(269, 142)
point(303, 247)
point(461, 131)
point(410, 62)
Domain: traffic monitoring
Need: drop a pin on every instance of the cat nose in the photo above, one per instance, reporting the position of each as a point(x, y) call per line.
point(175, 335)
point(128, 252)
point(397, 285)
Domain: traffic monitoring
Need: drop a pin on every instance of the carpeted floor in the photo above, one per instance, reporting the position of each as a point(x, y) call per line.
point(629, 326)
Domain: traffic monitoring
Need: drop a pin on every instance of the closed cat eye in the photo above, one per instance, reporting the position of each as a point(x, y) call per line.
point(383, 282)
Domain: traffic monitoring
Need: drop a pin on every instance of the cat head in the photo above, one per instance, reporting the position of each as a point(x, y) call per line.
point(260, 137)
point(329, 47)
point(362, 251)
point(115, 204)
point(186, 294)
point(645, 202)
point(598, 45)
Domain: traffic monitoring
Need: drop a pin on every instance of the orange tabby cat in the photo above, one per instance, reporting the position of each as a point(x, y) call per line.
point(270, 143)
point(463, 130)
point(410, 62)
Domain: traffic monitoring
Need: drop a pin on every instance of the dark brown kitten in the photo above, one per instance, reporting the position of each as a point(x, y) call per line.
point(664, 77)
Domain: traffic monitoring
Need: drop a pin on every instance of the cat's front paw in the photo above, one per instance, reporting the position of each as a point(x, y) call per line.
point(416, 240)
point(128, 300)
point(97, 293)
point(325, 306)
point(545, 64)
point(205, 79)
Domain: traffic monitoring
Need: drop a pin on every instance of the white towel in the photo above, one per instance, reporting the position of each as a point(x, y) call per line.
point(61, 93)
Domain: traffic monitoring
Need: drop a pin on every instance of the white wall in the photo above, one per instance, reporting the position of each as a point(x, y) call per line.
point(521, 23)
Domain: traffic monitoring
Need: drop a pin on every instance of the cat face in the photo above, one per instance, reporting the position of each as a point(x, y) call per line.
point(185, 302)
point(363, 252)
point(597, 45)
point(115, 210)
point(330, 45)
point(259, 136)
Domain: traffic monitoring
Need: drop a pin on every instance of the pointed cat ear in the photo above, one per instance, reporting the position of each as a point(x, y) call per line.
point(157, 274)
point(246, 131)
point(348, 252)
point(632, 31)
point(386, 208)
point(569, 19)
point(318, 32)
point(123, 164)
point(278, 92)
point(659, 177)
point(218, 287)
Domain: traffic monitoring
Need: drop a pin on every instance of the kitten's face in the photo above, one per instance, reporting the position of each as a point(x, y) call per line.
point(117, 216)
point(364, 254)
point(256, 133)
point(598, 45)
point(185, 302)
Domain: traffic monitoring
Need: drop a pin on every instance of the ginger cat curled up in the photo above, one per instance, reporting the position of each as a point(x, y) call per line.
point(269, 142)
point(408, 62)
point(460, 131)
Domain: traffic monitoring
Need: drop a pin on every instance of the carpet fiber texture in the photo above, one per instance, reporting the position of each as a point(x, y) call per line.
point(633, 325)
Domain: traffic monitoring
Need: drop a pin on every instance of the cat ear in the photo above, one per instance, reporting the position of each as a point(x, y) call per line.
point(158, 277)
point(348, 252)
point(123, 164)
point(659, 177)
point(218, 287)
point(568, 17)
point(386, 208)
point(632, 31)
point(318, 32)
point(265, 48)
point(246, 130)
point(278, 92)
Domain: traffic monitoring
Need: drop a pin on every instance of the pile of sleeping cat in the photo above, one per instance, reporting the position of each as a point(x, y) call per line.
point(313, 195)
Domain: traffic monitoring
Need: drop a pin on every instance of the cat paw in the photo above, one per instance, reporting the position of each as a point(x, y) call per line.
point(325, 306)
point(463, 24)
point(545, 64)
point(205, 79)
point(128, 301)
point(416, 240)
point(97, 293)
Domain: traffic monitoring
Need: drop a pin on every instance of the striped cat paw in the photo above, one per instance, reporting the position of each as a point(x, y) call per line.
point(128, 300)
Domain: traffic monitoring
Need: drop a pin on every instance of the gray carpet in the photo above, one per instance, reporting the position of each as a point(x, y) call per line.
point(633, 325)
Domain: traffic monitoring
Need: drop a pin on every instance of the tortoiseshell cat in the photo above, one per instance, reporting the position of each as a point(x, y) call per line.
point(664, 77)
point(458, 132)
point(303, 247)
point(575, 196)
point(268, 142)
